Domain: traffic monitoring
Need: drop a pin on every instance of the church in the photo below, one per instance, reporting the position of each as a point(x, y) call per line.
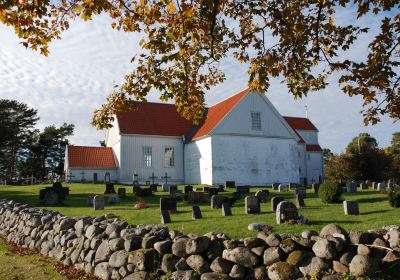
point(242, 139)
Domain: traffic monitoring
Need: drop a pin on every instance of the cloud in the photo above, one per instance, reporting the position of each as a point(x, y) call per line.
point(82, 68)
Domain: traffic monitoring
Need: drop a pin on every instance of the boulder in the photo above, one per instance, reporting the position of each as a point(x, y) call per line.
point(332, 229)
point(118, 259)
point(183, 275)
point(179, 247)
point(362, 265)
point(197, 245)
point(221, 265)
point(103, 270)
point(315, 268)
point(273, 255)
point(168, 262)
point(163, 247)
point(140, 275)
point(323, 248)
point(214, 276)
point(103, 252)
point(237, 272)
point(241, 255)
point(143, 259)
point(198, 263)
point(283, 271)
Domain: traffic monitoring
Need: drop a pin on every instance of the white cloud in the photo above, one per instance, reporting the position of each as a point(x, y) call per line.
point(82, 68)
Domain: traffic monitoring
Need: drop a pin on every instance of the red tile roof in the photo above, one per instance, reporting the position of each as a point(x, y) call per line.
point(313, 148)
point(300, 123)
point(153, 119)
point(91, 157)
point(217, 112)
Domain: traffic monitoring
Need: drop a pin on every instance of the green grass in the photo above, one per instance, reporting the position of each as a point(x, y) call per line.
point(374, 210)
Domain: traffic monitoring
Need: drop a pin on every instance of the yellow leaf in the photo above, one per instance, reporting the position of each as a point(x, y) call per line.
point(171, 7)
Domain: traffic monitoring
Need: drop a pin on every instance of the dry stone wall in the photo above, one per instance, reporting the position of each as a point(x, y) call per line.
point(113, 249)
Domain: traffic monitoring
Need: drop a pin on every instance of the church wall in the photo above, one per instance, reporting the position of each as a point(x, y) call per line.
point(89, 174)
point(302, 162)
point(254, 160)
point(309, 136)
point(132, 158)
point(239, 122)
point(314, 166)
point(113, 140)
point(198, 162)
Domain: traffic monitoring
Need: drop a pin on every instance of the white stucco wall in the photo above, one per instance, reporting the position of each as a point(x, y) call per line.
point(309, 136)
point(89, 174)
point(254, 160)
point(314, 166)
point(132, 158)
point(198, 162)
point(113, 140)
point(302, 162)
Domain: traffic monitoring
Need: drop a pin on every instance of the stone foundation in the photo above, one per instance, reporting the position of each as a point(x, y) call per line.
point(113, 249)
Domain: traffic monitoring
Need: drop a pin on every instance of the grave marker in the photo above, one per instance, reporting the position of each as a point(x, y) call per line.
point(89, 200)
point(363, 186)
point(173, 189)
point(165, 217)
point(165, 185)
point(229, 184)
point(350, 207)
point(275, 186)
point(107, 178)
point(236, 195)
point(212, 191)
point(168, 204)
point(188, 189)
point(217, 200)
point(315, 187)
point(152, 177)
point(226, 209)
point(286, 211)
point(252, 205)
point(195, 197)
point(121, 192)
point(196, 212)
point(243, 189)
point(262, 196)
point(275, 201)
point(352, 187)
point(109, 188)
point(381, 187)
point(135, 179)
point(301, 191)
point(98, 202)
point(299, 201)
point(282, 188)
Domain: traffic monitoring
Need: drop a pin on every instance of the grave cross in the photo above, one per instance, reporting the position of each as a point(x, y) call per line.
point(166, 177)
point(152, 177)
point(70, 176)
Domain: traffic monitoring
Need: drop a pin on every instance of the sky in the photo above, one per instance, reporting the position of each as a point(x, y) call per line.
point(83, 67)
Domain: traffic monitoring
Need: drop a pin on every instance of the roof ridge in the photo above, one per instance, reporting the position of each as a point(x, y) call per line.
point(229, 97)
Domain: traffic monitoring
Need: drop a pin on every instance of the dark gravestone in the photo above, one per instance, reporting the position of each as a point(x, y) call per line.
point(275, 201)
point(188, 189)
point(49, 196)
point(109, 188)
point(299, 201)
point(229, 184)
point(251, 205)
point(98, 202)
point(226, 209)
point(165, 217)
point(217, 200)
point(350, 207)
point(363, 186)
point(212, 191)
point(168, 204)
point(173, 189)
point(293, 186)
point(315, 187)
point(220, 188)
point(351, 187)
point(236, 195)
point(286, 211)
point(206, 189)
point(139, 191)
point(275, 186)
point(196, 212)
point(195, 197)
point(262, 196)
point(153, 187)
point(301, 191)
point(243, 189)
point(121, 192)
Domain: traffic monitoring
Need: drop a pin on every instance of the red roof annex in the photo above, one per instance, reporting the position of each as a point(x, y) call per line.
point(91, 157)
point(300, 123)
point(313, 148)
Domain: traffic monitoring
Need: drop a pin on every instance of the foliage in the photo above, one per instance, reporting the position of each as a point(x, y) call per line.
point(361, 144)
point(330, 192)
point(16, 135)
point(327, 154)
point(394, 198)
point(184, 42)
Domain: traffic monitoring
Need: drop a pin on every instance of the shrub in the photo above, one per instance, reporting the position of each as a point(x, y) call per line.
point(394, 198)
point(330, 192)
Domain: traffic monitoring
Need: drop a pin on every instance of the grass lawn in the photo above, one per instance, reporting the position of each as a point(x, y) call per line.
point(374, 210)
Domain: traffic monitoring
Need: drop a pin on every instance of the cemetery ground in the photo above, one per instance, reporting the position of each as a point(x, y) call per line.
point(375, 210)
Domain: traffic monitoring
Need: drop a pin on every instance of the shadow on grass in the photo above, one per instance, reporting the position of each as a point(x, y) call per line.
point(374, 212)
point(332, 221)
point(372, 199)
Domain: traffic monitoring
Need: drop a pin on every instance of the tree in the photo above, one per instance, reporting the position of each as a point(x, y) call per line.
point(327, 154)
point(184, 41)
point(16, 134)
point(363, 143)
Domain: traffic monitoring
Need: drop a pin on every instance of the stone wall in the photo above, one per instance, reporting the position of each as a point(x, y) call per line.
point(113, 249)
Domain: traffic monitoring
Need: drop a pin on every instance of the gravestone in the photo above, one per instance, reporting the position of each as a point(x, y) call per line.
point(142, 191)
point(226, 209)
point(152, 177)
point(315, 187)
point(89, 200)
point(173, 189)
point(251, 205)
point(113, 200)
point(275, 186)
point(381, 187)
point(286, 211)
point(243, 189)
point(221, 188)
point(98, 202)
point(217, 200)
point(107, 178)
point(212, 191)
point(168, 204)
point(301, 191)
point(368, 183)
point(363, 186)
point(206, 189)
point(135, 179)
point(293, 186)
point(350, 207)
point(262, 196)
point(153, 187)
point(374, 185)
point(235, 195)
point(121, 192)
point(299, 201)
point(188, 189)
point(229, 184)
point(165, 217)
point(275, 201)
point(195, 197)
point(165, 187)
point(49, 196)
point(109, 188)
point(351, 187)
point(196, 212)
point(282, 188)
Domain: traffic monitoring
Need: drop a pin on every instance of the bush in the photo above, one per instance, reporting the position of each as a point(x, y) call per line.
point(394, 199)
point(330, 192)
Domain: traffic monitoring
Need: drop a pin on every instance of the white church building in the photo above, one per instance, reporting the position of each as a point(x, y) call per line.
point(242, 139)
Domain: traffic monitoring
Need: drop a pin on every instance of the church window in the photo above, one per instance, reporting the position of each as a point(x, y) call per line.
point(169, 157)
point(147, 156)
point(255, 120)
